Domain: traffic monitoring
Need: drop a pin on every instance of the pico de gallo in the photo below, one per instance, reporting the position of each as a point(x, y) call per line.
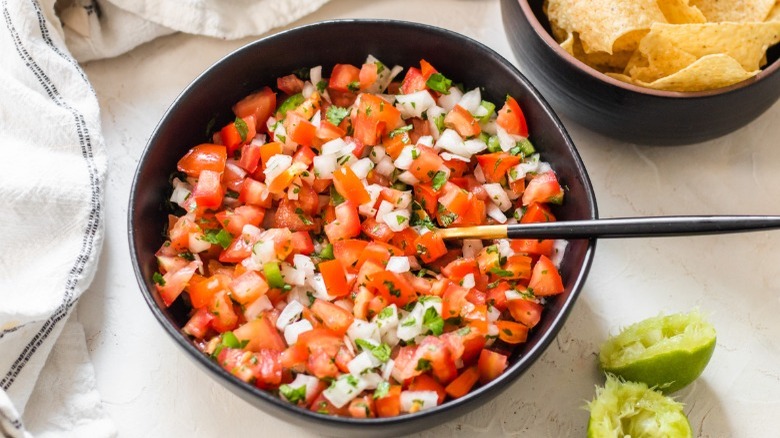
point(304, 242)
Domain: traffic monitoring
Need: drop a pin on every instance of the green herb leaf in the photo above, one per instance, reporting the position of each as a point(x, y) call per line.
point(500, 272)
point(381, 351)
point(335, 196)
point(400, 130)
point(321, 86)
point(439, 179)
point(437, 82)
point(218, 237)
point(353, 86)
point(409, 322)
point(387, 312)
point(273, 275)
point(336, 114)
point(423, 365)
point(327, 252)
point(293, 395)
point(433, 321)
point(241, 127)
point(382, 389)
point(158, 279)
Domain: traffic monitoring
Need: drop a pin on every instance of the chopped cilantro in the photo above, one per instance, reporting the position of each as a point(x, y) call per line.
point(439, 179)
point(336, 114)
point(382, 389)
point(446, 217)
point(439, 121)
point(352, 380)
point(392, 289)
point(293, 395)
point(433, 321)
point(437, 82)
point(400, 219)
point(335, 196)
point(158, 278)
point(327, 252)
point(400, 130)
point(353, 86)
point(500, 272)
point(387, 312)
point(187, 255)
point(423, 365)
point(321, 85)
point(241, 127)
point(221, 238)
point(409, 322)
point(381, 351)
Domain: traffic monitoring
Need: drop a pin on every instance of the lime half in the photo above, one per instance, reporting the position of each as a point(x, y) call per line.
point(630, 409)
point(665, 352)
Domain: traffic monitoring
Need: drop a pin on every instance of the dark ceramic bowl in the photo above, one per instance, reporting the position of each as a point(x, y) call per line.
point(211, 96)
point(624, 111)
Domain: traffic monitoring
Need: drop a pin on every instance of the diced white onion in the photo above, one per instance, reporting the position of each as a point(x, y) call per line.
point(320, 290)
point(448, 101)
point(290, 313)
point(468, 281)
point(418, 400)
point(308, 89)
point(495, 212)
point(405, 158)
point(292, 276)
point(196, 243)
point(181, 193)
point(425, 140)
point(304, 264)
point(344, 390)
point(337, 147)
point(398, 264)
point(315, 74)
point(493, 314)
point(276, 165)
point(387, 369)
point(504, 248)
point(448, 157)
point(292, 331)
point(368, 331)
point(452, 142)
point(414, 104)
point(257, 307)
point(408, 178)
point(397, 220)
point(505, 139)
point(559, 248)
point(367, 209)
point(498, 196)
point(377, 153)
point(479, 174)
point(389, 321)
point(471, 101)
point(475, 145)
point(362, 362)
point(384, 208)
point(404, 199)
point(324, 166)
point(316, 119)
point(513, 295)
point(411, 325)
point(361, 167)
point(372, 380)
point(432, 114)
point(310, 382)
point(385, 166)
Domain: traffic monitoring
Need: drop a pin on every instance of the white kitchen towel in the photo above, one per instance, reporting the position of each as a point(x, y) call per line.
point(52, 168)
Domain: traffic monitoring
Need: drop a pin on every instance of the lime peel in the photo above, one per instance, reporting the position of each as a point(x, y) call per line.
point(666, 352)
point(633, 409)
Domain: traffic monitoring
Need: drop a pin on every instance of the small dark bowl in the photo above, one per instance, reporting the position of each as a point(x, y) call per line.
point(211, 96)
point(624, 111)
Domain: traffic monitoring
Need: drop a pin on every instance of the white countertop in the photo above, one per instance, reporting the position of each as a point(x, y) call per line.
point(152, 389)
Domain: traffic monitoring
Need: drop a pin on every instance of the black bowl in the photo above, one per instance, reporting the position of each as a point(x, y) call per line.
point(208, 100)
point(625, 111)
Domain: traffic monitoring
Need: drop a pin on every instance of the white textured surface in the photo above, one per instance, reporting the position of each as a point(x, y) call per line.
point(151, 389)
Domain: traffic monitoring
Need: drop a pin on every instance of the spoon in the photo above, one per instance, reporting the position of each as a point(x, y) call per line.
point(655, 226)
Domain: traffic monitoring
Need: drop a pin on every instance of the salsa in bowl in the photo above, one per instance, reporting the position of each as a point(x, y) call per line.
point(300, 264)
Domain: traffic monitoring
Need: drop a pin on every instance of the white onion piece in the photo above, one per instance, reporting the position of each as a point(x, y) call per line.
point(316, 119)
point(471, 101)
point(448, 101)
point(398, 264)
point(504, 248)
point(337, 146)
point(432, 114)
point(544, 167)
point(315, 74)
point(292, 331)
point(387, 321)
point(310, 382)
point(448, 157)
point(344, 390)
point(324, 166)
point(425, 140)
point(405, 158)
point(493, 314)
point(475, 145)
point(559, 248)
point(361, 167)
point(418, 400)
point(506, 140)
point(304, 264)
point(468, 281)
point(513, 295)
point(257, 307)
point(290, 313)
point(196, 243)
point(479, 174)
point(292, 276)
point(320, 290)
point(372, 380)
point(367, 209)
point(498, 196)
point(181, 193)
point(308, 90)
point(384, 208)
point(452, 142)
point(471, 248)
point(414, 104)
point(362, 362)
point(276, 165)
point(411, 325)
point(365, 330)
point(397, 220)
point(407, 178)
point(377, 153)
point(404, 199)
point(385, 166)
point(490, 126)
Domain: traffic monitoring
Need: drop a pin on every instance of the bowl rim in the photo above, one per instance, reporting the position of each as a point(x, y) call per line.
point(552, 44)
point(511, 374)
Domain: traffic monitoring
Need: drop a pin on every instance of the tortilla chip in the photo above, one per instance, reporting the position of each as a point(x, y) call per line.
point(744, 42)
point(657, 57)
point(774, 14)
point(734, 10)
point(708, 72)
point(680, 12)
point(600, 23)
point(601, 61)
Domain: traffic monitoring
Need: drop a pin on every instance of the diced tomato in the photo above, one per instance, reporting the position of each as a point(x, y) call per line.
point(494, 166)
point(346, 225)
point(304, 155)
point(268, 150)
point(203, 157)
point(496, 296)
point(290, 215)
point(393, 288)
point(260, 334)
point(254, 192)
point(425, 382)
point(348, 251)
point(488, 260)
point(525, 311)
point(543, 188)
point(413, 81)
point(250, 157)
point(430, 246)
point(332, 316)
point(427, 197)
point(377, 230)
point(459, 268)
point(289, 84)
point(260, 105)
point(248, 287)
point(517, 266)
point(426, 165)
point(225, 317)
point(453, 301)
point(533, 246)
point(426, 69)
point(462, 121)
point(463, 383)
point(404, 240)
point(512, 119)
point(208, 191)
point(491, 365)
point(367, 75)
point(344, 76)
point(545, 279)
point(198, 324)
point(202, 292)
point(362, 407)
point(349, 186)
point(299, 129)
point(302, 243)
point(235, 220)
point(390, 404)
point(512, 332)
point(174, 282)
point(334, 277)
point(326, 132)
point(232, 137)
point(321, 405)
point(375, 116)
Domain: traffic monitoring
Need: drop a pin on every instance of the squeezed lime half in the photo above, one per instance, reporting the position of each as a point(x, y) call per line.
point(630, 409)
point(664, 352)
